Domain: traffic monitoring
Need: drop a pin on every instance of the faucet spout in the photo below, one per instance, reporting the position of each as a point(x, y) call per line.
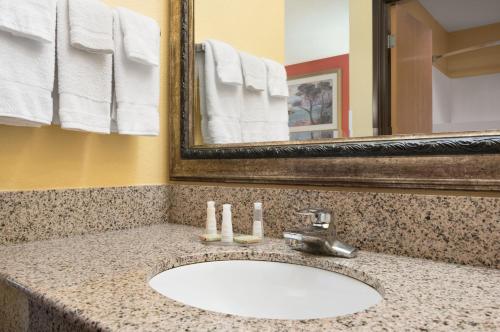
point(316, 245)
point(320, 237)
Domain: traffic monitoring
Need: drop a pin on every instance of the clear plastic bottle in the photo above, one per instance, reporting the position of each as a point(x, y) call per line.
point(227, 224)
point(211, 228)
point(258, 222)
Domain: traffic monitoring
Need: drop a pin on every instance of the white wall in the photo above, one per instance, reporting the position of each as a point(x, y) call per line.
point(315, 29)
point(441, 97)
point(467, 103)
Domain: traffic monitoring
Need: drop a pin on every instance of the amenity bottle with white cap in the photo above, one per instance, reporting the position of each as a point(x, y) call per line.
point(258, 227)
point(227, 224)
point(211, 228)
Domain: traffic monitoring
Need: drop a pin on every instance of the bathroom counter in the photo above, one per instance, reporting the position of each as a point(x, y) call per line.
point(99, 282)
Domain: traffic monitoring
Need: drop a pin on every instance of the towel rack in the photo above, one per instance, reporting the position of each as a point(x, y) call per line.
point(199, 48)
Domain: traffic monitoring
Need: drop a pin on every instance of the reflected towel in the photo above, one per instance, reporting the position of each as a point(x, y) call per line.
point(276, 79)
point(227, 62)
point(224, 104)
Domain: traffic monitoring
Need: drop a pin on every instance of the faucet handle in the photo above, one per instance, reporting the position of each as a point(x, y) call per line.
point(317, 217)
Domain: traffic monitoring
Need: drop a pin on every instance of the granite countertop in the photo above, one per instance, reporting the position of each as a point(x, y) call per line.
point(100, 282)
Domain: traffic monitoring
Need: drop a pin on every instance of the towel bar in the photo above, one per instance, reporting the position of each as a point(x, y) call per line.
point(198, 48)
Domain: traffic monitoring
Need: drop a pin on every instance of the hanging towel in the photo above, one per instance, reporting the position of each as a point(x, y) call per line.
point(136, 89)
point(227, 62)
point(26, 71)
point(277, 106)
point(254, 114)
point(254, 72)
point(34, 19)
point(91, 26)
point(254, 123)
point(84, 82)
point(224, 104)
point(141, 37)
point(276, 79)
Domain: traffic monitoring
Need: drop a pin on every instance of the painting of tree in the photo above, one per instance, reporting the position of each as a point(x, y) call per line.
point(315, 99)
point(313, 102)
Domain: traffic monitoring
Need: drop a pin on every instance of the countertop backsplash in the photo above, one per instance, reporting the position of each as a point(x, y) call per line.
point(47, 214)
point(455, 229)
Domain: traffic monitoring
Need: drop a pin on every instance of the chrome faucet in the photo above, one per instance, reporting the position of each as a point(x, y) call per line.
point(319, 237)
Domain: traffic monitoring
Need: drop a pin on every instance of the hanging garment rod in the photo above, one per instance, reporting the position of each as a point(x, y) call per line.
point(466, 50)
point(199, 48)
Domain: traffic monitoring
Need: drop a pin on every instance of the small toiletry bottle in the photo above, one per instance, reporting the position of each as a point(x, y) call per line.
point(227, 224)
point(258, 227)
point(211, 228)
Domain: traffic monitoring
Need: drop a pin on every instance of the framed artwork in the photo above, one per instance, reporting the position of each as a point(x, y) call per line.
point(336, 64)
point(314, 106)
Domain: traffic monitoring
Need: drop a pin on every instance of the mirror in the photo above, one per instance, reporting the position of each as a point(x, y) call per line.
point(372, 146)
point(288, 71)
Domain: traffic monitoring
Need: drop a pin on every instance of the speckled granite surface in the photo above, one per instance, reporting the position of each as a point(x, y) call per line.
point(99, 282)
point(38, 215)
point(458, 229)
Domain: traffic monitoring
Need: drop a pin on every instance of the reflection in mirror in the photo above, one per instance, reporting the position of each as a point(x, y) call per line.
point(285, 70)
point(277, 74)
point(445, 66)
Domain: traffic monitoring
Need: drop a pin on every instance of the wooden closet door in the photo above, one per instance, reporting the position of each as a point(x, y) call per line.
point(411, 74)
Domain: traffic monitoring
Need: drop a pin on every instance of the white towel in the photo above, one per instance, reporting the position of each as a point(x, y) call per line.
point(264, 118)
point(137, 89)
point(224, 104)
point(254, 72)
point(254, 115)
point(84, 82)
point(91, 26)
point(277, 106)
point(227, 62)
point(141, 37)
point(26, 75)
point(276, 79)
point(34, 19)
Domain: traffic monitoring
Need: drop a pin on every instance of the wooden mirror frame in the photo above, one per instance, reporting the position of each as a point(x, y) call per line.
point(465, 161)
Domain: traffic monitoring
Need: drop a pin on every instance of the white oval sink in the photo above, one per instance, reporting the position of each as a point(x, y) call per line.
point(263, 289)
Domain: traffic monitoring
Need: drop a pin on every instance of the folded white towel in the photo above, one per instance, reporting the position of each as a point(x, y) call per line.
point(264, 118)
point(277, 119)
point(141, 37)
point(26, 75)
point(84, 82)
point(137, 90)
point(254, 72)
point(224, 104)
point(34, 19)
point(276, 79)
point(91, 26)
point(227, 62)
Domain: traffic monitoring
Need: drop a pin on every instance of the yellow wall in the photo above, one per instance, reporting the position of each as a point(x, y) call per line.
point(361, 67)
point(41, 158)
point(256, 26)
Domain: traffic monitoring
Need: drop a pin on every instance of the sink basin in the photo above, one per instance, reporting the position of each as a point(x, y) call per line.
point(263, 289)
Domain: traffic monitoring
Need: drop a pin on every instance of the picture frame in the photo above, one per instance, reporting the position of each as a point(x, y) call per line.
point(311, 70)
point(314, 106)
